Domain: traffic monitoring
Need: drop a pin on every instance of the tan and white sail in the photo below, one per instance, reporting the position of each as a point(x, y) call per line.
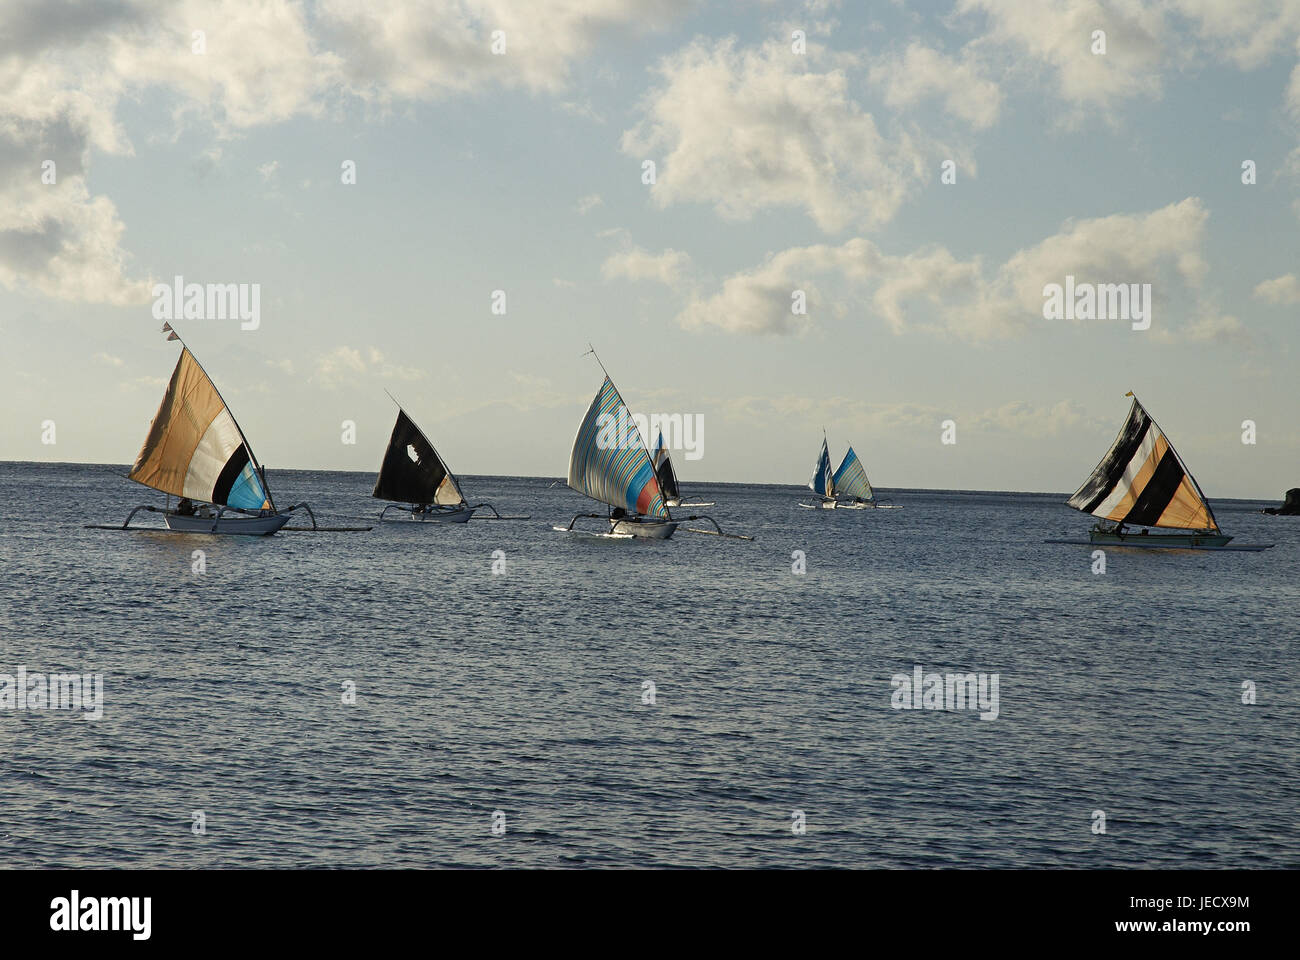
point(195, 448)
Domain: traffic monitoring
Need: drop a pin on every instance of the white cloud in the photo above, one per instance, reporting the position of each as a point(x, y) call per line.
point(66, 65)
point(418, 49)
point(637, 264)
point(1282, 290)
point(1211, 327)
point(1058, 35)
point(960, 297)
point(1293, 91)
point(762, 300)
point(753, 129)
point(1020, 418)
point(582, 109)
point(588, 203)
point(267, 170)
point(1036, 421)
point(339, 361)
point(1144, 39)
point(346, 364)
point(107, 359)
point(1245, 34)
point(921, 73)
point(1163, 245)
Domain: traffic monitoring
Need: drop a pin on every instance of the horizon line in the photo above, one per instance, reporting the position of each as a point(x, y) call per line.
point(529, 476)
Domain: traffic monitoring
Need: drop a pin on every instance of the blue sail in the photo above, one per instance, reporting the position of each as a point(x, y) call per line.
point(822, 482)
point(851, 478)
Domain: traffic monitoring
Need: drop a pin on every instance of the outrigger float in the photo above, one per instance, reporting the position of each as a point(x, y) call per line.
point(416, 477)
point(196, 452)
point(618, 472)
point(1143, 482)
point(846, 489)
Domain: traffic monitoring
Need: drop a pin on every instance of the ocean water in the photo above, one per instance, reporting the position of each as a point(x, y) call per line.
point(523, 692)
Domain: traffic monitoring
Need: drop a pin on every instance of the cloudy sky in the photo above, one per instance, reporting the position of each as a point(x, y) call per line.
point(779, 166)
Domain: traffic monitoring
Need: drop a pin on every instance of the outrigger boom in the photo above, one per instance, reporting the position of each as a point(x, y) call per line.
point(269, 526)
point(715, 532)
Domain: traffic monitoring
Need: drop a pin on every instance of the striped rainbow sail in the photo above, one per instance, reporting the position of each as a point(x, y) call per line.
point(195, 449)
point(823, 482)
point(611, 468)
point(850, 479)
point(1142, 481)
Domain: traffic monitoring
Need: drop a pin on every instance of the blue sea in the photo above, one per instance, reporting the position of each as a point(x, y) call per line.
point(610, 703)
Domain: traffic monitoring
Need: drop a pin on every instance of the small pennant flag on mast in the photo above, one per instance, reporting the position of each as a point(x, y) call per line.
point(171, 334)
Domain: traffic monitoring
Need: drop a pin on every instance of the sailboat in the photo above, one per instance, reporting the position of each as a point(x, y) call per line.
point(617, 471)
point(846, 489)
point(1143, 482)
point(196, 451)
point(668, 478)
point(415, 475)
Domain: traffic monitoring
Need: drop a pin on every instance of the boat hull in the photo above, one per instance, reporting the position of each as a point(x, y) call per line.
point(1179, 540)
point(236, 525)
point(459, 515)
point(1231, 547)
point(689, 504)
point(643, 529)
point(844, 505)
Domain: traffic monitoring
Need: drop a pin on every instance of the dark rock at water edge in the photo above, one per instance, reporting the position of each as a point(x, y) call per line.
point(1290, 506)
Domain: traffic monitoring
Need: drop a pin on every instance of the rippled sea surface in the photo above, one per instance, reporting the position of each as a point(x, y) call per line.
point(522, 692)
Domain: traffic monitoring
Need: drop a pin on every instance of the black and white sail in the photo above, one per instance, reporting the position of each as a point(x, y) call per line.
point(664, 471)
point(412, 471)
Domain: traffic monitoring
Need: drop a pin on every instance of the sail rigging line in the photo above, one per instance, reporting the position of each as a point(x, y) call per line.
point(592, 350)
point(248, 448)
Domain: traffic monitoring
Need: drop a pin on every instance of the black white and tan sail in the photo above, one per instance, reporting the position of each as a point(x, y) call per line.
point(1142, 482)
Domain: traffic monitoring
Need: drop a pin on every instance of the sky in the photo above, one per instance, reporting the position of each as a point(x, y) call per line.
point(799, 146)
